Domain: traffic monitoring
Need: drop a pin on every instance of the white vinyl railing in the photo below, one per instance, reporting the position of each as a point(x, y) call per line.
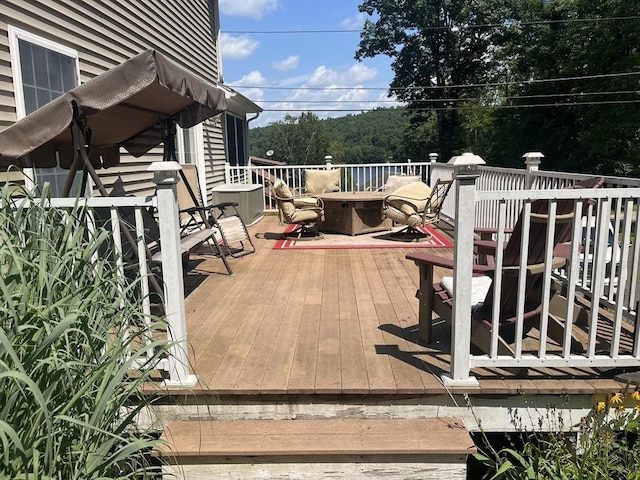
point(598, 281)
point(353, 178)
point(596, 289)
point(166, 284)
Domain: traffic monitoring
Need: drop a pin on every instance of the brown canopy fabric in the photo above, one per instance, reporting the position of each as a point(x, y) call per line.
point(123, 107)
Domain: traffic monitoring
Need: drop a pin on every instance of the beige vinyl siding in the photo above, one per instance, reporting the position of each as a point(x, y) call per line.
point(107, 32)
point(214, 155)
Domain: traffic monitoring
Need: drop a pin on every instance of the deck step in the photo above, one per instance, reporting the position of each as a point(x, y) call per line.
point(347, 448)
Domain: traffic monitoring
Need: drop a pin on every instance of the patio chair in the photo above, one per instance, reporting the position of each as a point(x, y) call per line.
point(415, 204)
point(303, 211)
point(322, 181)
point(438, 297)
point(231, 236)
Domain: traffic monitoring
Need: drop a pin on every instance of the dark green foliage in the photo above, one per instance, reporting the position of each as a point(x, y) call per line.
point(599, 133)
point(296, 140)
point(503, 78)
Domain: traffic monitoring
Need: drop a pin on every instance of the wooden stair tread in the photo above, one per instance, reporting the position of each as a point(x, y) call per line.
point(432, 436)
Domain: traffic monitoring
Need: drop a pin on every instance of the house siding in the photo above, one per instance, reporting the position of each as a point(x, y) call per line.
point(106, 33)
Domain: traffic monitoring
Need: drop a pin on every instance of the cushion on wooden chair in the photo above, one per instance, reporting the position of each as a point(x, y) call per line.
point(479, 288)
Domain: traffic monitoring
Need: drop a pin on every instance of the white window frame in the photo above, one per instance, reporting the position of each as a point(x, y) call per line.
point(15, 35)
point(198, 151)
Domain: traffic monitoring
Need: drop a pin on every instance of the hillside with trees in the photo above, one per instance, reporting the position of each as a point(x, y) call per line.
point(382, 135)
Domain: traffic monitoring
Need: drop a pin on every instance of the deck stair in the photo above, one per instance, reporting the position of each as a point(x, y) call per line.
point(429, 448)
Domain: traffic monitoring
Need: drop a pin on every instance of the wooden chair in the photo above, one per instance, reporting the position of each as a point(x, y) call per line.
point(438, 297)
point(485, 246)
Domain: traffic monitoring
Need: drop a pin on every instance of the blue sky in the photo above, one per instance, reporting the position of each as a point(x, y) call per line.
point(318, 68)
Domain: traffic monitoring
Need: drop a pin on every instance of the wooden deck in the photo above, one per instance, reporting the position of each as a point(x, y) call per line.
point(331, 322)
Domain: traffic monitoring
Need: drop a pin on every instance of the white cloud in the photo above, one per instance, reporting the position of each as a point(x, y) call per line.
point(252, 78)
point(358, 73)
point(289, 63)
point(354, 22)
point(328, 92)
point(237, 46)
point(255, 9)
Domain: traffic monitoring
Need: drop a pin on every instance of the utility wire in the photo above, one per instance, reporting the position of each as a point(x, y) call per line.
point(440, 87)
point(438, 27)
point(431, 100)
point(472, 107)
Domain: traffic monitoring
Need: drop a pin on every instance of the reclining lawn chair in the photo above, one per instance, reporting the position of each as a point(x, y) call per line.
point(129, 227)
point(231, 235)
point(438, 297)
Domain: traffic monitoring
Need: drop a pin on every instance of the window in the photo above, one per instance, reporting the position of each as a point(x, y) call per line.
point(186, 145)
point(190, 146)
point(235, 133)
point(190, 150)
point(42, 71)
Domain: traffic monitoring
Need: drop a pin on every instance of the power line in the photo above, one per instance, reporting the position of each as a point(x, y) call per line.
point(438, 27)
point(431, 100)
point(440, 87)
point(472, 107)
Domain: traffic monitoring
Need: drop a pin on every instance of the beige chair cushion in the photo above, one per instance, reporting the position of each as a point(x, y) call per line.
point(282, 191)
point(322, 181)
point(410, 199)
point(396, 181)
point(400, 217)
point(305, 202)
point(307, 216)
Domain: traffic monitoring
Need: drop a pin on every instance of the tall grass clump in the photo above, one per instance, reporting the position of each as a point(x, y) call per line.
point(71, 333)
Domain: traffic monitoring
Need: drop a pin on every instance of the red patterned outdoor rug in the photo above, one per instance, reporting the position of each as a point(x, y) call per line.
point(367, 240)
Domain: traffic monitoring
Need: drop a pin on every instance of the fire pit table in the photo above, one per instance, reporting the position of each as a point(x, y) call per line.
point(353, 213)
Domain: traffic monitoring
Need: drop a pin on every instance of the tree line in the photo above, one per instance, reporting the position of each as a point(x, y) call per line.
point(369, 137)
point(492, 77)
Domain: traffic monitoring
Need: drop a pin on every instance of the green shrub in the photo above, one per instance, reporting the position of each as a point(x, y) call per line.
point(71, 331)
point(603, 446)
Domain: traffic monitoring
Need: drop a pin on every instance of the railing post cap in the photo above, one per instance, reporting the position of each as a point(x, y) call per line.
point(433, 157)
point(165, 172)
point(466, 165)
point(533, 158)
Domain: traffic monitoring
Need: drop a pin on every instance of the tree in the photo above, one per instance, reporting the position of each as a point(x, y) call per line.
point(581, 109)
point(558, 76)
point(300, 140)
point(434, 52)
